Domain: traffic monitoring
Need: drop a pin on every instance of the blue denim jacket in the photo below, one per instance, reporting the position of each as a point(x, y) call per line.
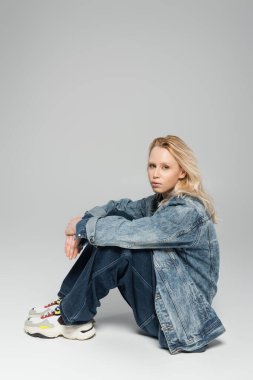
point(185, 255)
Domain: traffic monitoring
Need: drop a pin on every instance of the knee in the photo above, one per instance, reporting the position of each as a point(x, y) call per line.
point(108, 254)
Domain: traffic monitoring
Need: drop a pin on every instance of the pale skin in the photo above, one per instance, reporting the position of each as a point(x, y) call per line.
point(162, 168)
point(71, 245)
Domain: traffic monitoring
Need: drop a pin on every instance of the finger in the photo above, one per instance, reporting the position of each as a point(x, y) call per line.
point(72, 247)
point(65, 246)
point(75, 246)
point(68, 246)
point(75, 253)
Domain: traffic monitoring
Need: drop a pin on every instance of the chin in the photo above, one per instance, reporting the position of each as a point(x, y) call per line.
point(157, 191)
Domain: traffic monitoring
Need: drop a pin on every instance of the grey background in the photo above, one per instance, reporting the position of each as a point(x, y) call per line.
point(85, 87)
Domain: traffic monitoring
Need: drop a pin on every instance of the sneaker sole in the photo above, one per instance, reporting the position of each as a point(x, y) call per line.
point(79, 332)
point(40, 314)
point(37, 335)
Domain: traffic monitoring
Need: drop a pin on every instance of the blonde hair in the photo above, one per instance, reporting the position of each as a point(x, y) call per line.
point(191, 184)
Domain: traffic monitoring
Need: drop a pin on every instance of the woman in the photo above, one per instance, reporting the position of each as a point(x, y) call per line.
point(160, 251)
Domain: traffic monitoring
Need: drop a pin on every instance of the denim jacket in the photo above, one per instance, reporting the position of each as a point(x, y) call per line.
point(186, 260)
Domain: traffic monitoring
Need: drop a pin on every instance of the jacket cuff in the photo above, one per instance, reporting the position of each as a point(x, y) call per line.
point(80, 230)
point(97, 212)
point(91, 227)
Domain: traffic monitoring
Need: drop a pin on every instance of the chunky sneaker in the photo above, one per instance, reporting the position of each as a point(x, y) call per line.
point(38, 311)
point(51, 325)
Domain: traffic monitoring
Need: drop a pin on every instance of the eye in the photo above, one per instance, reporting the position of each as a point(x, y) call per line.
point(166, 167)
point(151, 165)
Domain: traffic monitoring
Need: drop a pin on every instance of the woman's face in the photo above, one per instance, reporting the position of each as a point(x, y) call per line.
point(163, 171)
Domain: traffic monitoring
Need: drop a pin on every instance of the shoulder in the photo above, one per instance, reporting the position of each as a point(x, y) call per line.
point(187, 204)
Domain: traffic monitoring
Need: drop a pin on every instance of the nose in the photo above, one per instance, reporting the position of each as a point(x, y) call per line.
point(156, 173)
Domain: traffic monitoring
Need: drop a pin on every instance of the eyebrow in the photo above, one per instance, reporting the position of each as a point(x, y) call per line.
point(165, 163)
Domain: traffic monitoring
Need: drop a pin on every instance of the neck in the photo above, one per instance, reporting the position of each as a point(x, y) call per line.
point(168, 194)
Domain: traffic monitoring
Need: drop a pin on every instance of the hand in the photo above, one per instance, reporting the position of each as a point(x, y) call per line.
point(71, 226)
point(71, 247)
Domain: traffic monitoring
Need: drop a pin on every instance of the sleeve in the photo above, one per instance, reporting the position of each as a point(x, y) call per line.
point(173, 226)
point(124, 207)
point(81, 225)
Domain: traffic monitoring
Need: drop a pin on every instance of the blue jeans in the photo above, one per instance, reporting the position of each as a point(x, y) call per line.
point(99, 269)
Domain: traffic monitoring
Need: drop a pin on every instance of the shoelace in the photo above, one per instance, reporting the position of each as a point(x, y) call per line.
point(58, 301)
point(56, 311)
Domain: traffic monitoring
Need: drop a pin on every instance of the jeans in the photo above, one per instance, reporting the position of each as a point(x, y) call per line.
point(99, 269)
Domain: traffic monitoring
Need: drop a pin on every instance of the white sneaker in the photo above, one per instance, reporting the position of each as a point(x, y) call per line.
point(51, 325)
point(38, 311)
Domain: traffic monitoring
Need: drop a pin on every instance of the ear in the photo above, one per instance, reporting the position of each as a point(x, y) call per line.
point(182, 174)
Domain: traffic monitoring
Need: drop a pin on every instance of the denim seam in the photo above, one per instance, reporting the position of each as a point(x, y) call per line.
point(104, 268)
point(137, 273)
point(197, 235)
point(210, 254)
point(178, 312)
point(148, 320)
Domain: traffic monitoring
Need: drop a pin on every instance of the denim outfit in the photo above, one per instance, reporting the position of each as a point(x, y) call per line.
point(177, 279)
point(99, 269)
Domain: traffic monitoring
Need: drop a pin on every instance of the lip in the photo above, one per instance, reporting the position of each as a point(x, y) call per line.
point(155, 183)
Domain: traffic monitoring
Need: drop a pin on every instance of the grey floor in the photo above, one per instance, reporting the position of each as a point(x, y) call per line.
point(120, 350)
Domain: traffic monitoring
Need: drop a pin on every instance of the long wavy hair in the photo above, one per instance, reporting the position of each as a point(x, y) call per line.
point(191, 184)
